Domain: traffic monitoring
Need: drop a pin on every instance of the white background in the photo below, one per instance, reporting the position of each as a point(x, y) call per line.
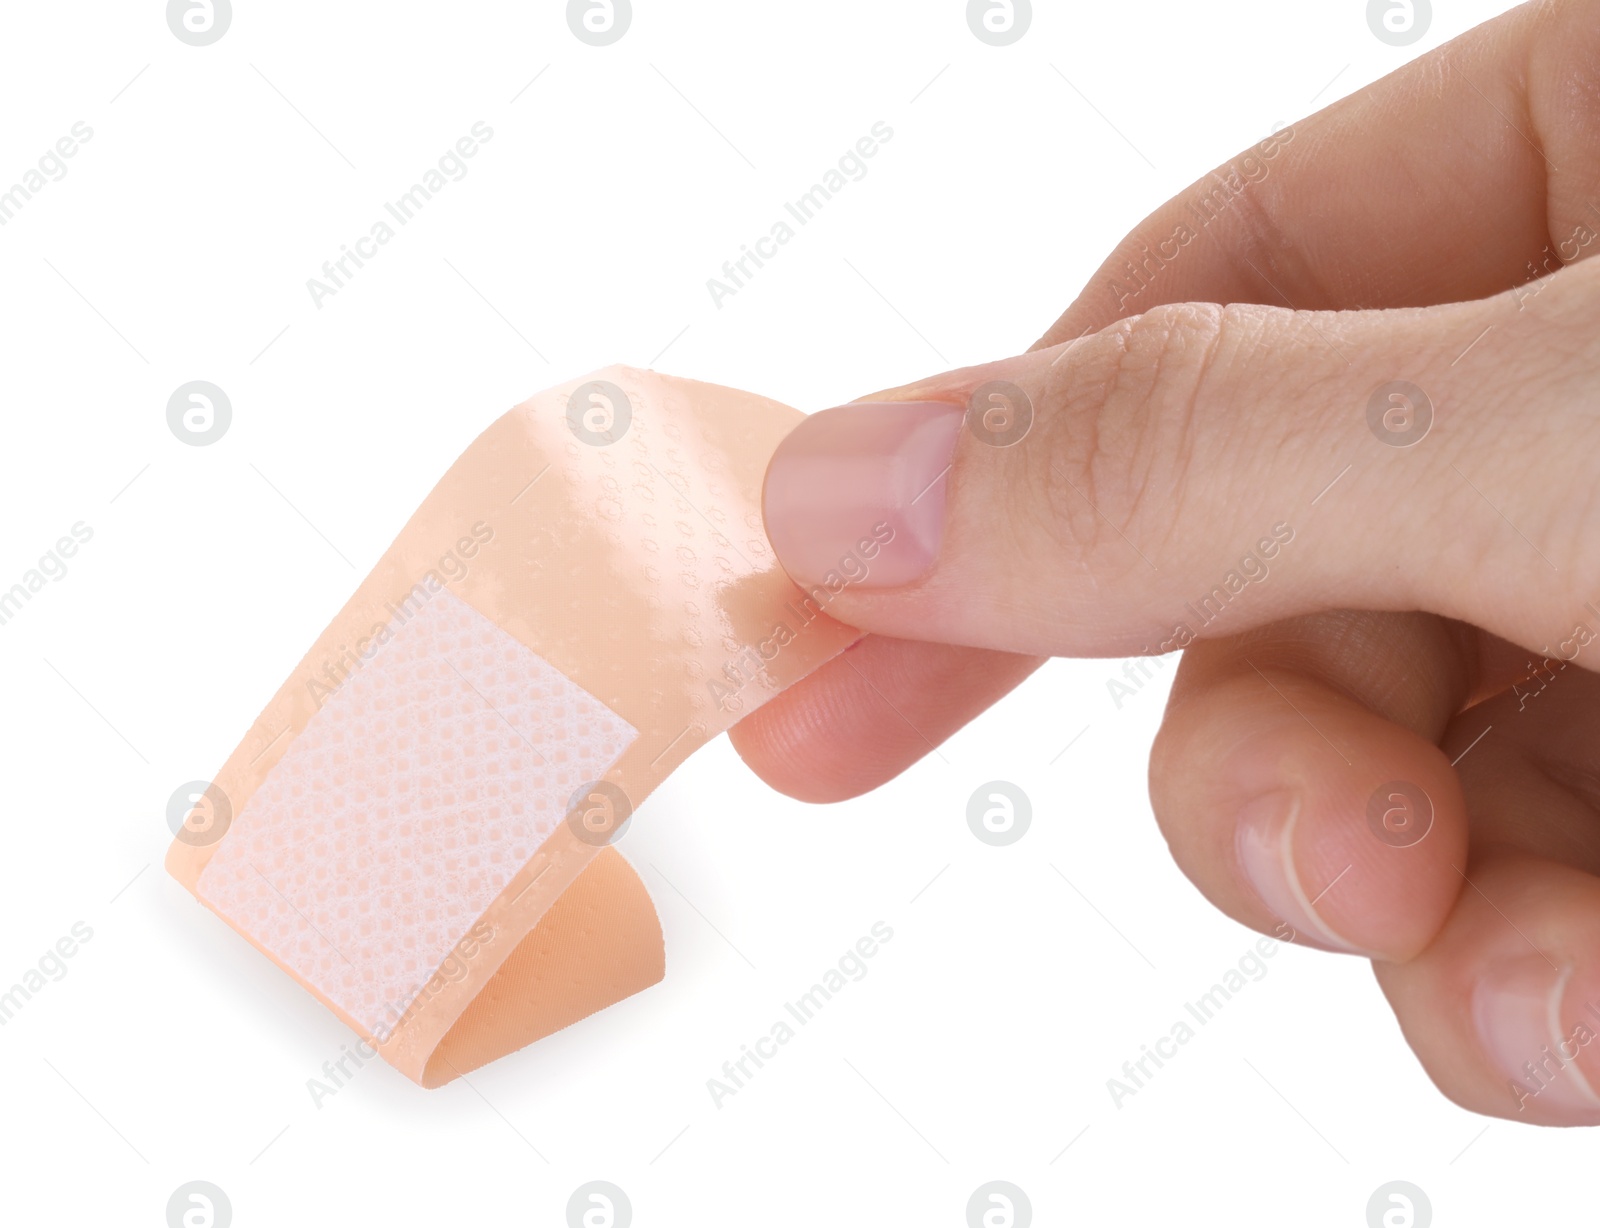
point(1019, 979)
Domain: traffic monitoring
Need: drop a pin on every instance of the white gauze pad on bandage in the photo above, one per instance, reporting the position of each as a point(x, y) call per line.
point(418, 826)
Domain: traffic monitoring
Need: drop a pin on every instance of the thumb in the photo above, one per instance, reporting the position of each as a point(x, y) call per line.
point(1198, 471)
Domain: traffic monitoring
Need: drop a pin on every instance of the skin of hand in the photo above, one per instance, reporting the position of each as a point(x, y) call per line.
point(1341, 444)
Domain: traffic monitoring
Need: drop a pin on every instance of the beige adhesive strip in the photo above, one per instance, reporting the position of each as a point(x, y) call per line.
point(417, 827)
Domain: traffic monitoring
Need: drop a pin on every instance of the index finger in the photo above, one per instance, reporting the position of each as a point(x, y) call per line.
point(1469, 171)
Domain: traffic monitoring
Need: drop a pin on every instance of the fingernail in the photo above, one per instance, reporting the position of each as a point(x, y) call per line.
point(1264, 842)
point(856, 495)
point(1516, 1007)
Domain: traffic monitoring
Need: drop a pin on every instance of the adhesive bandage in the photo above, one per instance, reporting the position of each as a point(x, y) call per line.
point(418, 827)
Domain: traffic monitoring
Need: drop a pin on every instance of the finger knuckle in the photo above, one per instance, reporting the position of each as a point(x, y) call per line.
point(1119, 433)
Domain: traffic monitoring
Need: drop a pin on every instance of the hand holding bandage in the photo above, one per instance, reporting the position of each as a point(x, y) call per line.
point(1386, 740)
